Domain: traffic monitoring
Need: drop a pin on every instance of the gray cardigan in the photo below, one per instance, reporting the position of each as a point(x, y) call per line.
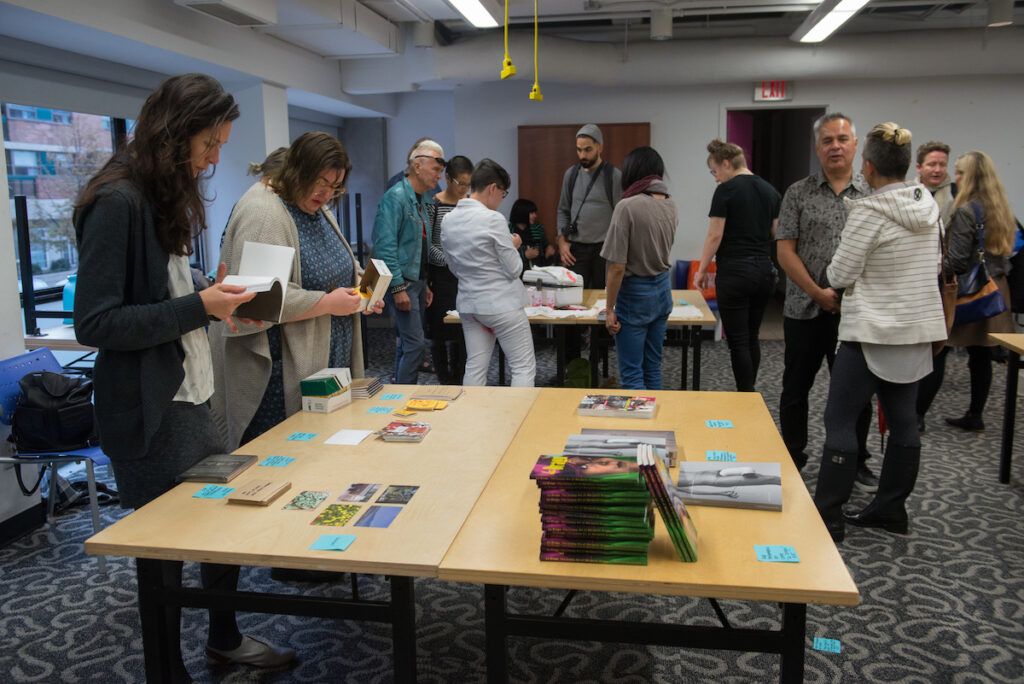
point(124, 308)
point(241, 361)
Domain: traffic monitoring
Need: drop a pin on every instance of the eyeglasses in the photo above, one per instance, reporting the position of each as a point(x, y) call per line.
point(442, 164)
point(335, 190)
point(504, 194)
point(460, 183)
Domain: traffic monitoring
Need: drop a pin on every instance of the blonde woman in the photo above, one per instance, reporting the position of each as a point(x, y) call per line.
point(979, 188)
point(744, 215)
point(890, 318)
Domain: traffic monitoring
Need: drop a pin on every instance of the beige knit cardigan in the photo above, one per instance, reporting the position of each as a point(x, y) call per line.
point(241, 361)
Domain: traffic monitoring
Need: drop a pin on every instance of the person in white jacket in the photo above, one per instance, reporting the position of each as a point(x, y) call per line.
point(887, 263)
point(484, 257)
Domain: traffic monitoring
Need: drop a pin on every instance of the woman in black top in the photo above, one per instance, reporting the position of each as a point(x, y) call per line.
point(744, 215)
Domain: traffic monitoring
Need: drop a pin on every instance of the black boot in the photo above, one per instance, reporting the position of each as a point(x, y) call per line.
point(835, 482)
point(971, 422)
point(899, 474)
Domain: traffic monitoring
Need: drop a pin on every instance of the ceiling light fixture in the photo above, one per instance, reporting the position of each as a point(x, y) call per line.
point(661, 24)
point(826, 20)
point(479, 13)
point(1000, 13)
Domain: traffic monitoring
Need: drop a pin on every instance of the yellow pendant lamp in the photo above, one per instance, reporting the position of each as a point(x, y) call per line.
point(535, 93)
point(508, 69)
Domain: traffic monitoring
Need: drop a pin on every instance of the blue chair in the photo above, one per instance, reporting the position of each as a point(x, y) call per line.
point(11, 371)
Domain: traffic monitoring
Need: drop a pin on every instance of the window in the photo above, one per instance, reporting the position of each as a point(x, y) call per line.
point(23, 113)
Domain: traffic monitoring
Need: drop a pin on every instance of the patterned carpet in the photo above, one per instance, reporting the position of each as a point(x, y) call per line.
point(943, 604)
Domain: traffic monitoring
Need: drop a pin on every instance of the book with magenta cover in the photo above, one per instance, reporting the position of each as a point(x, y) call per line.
point(265, 270)
point(616, 406)
point(681, 529)
point(733, 485)
point(599, 472)
point(217, 468)
point(404, 431)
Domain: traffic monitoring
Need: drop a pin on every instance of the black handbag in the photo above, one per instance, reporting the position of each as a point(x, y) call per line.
point(978, 297)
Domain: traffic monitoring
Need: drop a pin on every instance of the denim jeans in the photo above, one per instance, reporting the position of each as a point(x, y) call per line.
point(642, 308)
point(744, 286)
point(512, 331)
point(409, 326)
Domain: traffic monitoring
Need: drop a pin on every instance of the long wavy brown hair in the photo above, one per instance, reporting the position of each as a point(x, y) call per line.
point(980, 183)
point(158, 157)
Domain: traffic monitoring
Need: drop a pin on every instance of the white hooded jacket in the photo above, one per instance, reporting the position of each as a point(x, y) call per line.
point(888, 261)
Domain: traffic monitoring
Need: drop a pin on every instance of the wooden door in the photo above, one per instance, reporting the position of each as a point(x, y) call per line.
point(545, 152)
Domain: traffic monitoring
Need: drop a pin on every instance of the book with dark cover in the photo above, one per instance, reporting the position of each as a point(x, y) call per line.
point(585, 557)
point(556, 495)
point(606, 532)
point(733, 485)
point(217, 468)
point(670, 445)
point(588, 472)
point(593, 546)
point(616, 406)
point(681, 529)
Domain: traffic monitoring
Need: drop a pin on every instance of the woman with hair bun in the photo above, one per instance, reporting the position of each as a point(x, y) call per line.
point(886, 264)
point(744, 215)
point(980, 189)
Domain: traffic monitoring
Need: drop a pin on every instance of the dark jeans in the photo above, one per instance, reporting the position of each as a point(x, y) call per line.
point(592, 266)
point(744, 287)
point(642, 308)
point(446, 288)
point(929, 385)
point(808, 342)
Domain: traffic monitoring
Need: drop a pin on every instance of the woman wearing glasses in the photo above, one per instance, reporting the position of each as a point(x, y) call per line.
point(257, 369)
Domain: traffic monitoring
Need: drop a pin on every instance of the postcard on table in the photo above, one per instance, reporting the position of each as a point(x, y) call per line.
point(397, 494)
point(378, 516)
point(348, 437)
point(336, 514)
point(306, 501)
point(359, 492)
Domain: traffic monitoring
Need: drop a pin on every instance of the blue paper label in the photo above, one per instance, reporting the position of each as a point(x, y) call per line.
point(830, 645)
point(712, 455)
point(333, 542)
point(776, 553)
point(301, 436)
point(379, 409)
point(391, 397)
point(212, 491)
point(276, 461)
point(718, 423)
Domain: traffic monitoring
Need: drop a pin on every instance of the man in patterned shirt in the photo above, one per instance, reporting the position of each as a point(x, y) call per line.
point(811, 220)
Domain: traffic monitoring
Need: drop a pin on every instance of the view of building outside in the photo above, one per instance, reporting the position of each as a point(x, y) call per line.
point(51, 154)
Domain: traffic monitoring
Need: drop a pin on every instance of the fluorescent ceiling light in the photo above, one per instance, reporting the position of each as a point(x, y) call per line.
point(477, 12)
point(1000, 12)
point(826, 19)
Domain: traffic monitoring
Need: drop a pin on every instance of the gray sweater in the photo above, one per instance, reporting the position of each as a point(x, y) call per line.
point(594, 214)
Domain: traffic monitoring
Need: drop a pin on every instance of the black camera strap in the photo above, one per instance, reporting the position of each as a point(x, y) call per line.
point(573, 230)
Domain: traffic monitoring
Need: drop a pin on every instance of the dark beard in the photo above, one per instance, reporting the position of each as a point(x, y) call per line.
point(588, 163)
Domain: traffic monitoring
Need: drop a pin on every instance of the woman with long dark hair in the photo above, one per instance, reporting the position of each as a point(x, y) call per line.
point(981, 196)
point(258, 368)
point(638, 295)
point(136, 303)
point(522, 220)
point(744, 215)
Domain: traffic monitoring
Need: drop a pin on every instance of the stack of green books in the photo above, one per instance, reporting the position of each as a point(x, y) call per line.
point(594, 509)
point(681, 529)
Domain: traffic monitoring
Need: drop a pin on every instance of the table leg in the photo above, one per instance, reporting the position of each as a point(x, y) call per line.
point(560, 355)
point(794, 624)
point(153, 616)
point(594, 381)
point(684, 352)
point(403, 628)
point(1009, 416)
point(696, 358)
point(495, 633)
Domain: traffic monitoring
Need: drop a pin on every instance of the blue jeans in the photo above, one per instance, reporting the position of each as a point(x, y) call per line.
point(744, 286)
point(409, 326)
point(642, 308)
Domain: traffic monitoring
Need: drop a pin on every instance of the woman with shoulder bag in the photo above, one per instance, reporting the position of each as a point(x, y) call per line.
point(981, 200)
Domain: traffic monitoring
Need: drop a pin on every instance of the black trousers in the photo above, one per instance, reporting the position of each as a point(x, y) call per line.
point(808, 342)
point(744, 287)
point(450, 367)
point(592, 266)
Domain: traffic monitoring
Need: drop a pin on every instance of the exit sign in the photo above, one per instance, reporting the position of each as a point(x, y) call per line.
point(773, 91)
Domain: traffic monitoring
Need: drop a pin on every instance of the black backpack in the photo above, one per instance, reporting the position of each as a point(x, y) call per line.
point(54, 414)
point(607, 171)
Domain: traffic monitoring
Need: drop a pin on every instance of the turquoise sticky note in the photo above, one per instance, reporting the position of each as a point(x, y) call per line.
point(379, 409)
point(333, 542)
point(276, 461)
point(712, 455)
point(391, 397)
point(212, 491)
point(718, 423)
point(830, 645)
point(301, 436)
point(776, 553)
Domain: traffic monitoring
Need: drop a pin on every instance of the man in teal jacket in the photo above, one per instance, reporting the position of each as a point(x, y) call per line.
point(399, 234)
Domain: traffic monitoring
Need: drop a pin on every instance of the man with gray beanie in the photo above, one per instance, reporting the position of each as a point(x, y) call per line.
point(590, 191)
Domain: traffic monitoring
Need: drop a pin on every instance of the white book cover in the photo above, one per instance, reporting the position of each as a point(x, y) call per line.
point(263, 269)
point(374, 284)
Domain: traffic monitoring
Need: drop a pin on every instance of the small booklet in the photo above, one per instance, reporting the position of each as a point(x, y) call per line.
point(444, 393)
point(217, 468)
point(733, 485)
point(403, 431)
point(373, 284)
point(616, 406)
point(258, 492)
point(364, 388)
point(681, 529)
point(425, 405)
point(263, 269)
